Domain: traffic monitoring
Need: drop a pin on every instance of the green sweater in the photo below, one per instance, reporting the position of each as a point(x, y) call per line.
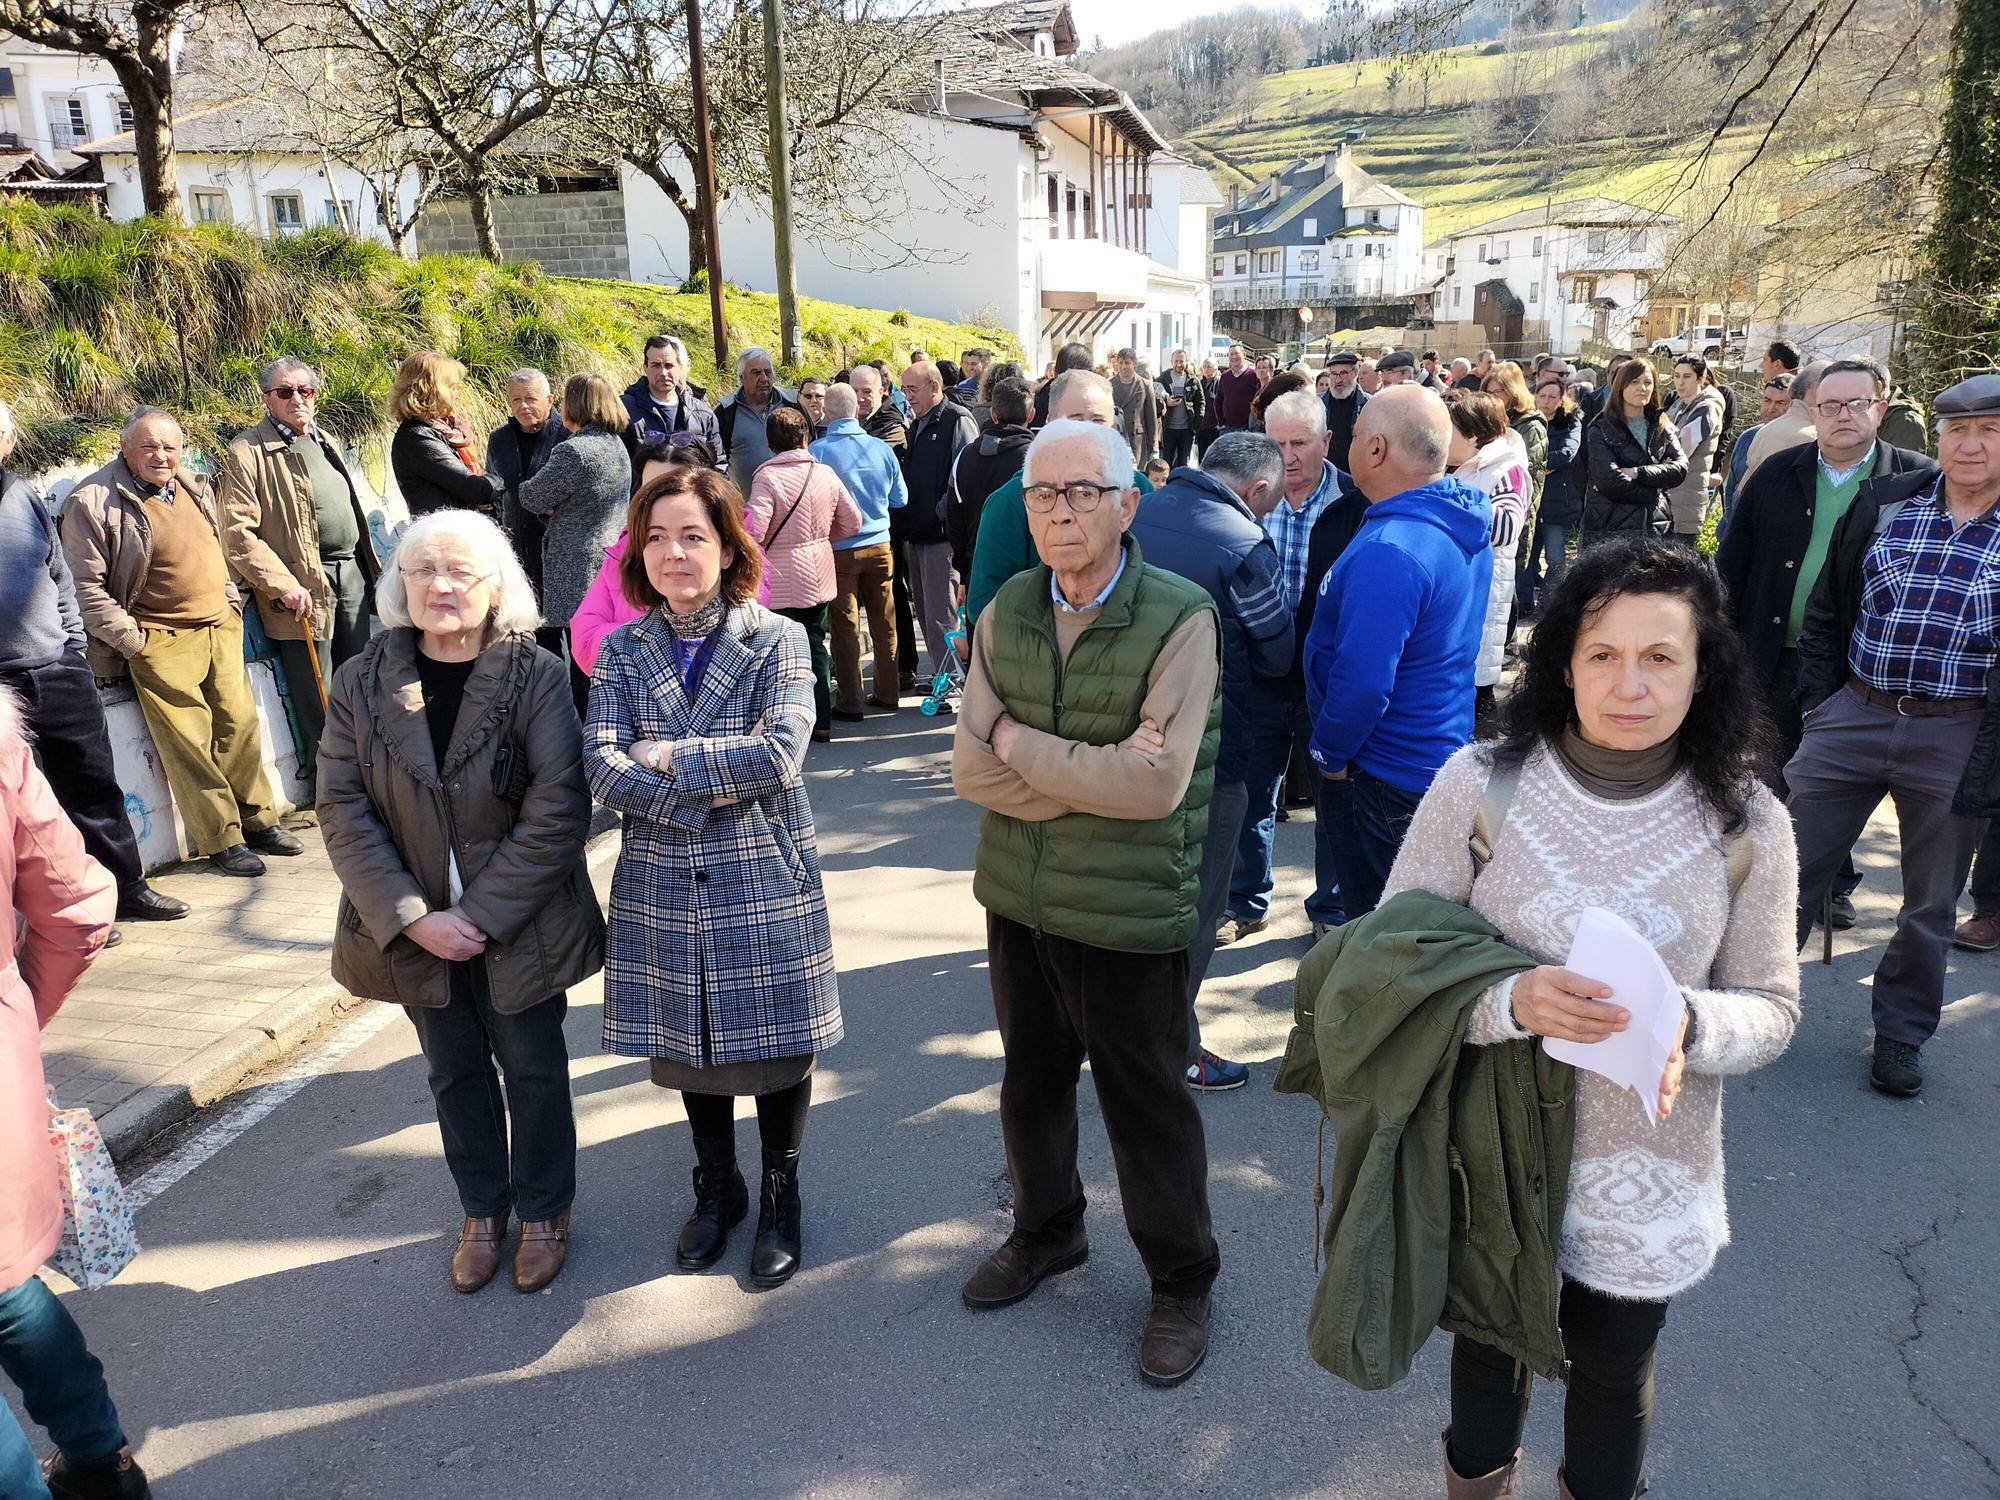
point(1830, 503)
point(1004, 546)
point(1451, 1163)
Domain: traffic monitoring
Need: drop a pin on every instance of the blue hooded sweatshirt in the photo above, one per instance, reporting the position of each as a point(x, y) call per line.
point(1389, 659)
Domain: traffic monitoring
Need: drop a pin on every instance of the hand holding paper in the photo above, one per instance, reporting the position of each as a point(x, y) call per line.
point(1607, 949)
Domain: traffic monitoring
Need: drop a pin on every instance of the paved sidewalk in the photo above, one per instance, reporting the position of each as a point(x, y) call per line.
point(179, 1012)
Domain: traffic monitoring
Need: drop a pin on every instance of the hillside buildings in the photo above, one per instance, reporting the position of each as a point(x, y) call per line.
point(1319, 230)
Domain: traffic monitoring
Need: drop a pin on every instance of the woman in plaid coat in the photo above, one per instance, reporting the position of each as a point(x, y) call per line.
point(720, 966)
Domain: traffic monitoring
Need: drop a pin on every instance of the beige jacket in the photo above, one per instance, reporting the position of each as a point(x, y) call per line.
point(271, 533)
point(110, 550)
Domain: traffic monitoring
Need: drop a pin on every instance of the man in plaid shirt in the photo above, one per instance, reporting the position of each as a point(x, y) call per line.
point(1897, 663)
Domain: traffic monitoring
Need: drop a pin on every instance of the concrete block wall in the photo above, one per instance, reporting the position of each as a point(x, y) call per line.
point(568, 234)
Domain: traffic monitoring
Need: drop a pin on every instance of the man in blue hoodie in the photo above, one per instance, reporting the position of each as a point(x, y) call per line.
point(1389, 659)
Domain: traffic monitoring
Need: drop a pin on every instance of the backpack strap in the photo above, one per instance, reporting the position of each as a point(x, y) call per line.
point(1491, 813)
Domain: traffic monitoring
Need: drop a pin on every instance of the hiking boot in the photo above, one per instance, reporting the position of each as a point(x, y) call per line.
point(1977, 934)
point(1898, 1069)
point(1018, 1267)
point(1176, 1339)
point(1209, 1074)
point(721, 1199)
point(1235, 929)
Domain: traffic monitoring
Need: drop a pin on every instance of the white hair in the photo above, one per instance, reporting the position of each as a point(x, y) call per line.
point(753, 352)
point(1075, 380)
point(514, 608)
point(528, 375)
point(840, 402)
point(140, 417)
point(1114, 452)
point(282, 366)
point(1298, 406)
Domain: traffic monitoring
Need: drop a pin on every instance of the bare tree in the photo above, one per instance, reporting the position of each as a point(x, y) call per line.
point(136, 40)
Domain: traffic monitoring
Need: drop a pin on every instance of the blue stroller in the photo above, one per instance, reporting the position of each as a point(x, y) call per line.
point(948, 686)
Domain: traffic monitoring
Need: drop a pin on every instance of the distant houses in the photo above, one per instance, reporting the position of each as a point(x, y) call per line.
point(1319, 230)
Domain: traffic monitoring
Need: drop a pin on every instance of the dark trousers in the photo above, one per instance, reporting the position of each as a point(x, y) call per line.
point(1060, 1002)
point(61, 708)
point(906, 620)
point(1782, 702)
point(815, 622)
point(1176, 444)
point(781, 1116)
point(1271, 725)
point(349, 601)
point(61, 1383)
point(1543, 565)
point(1852, 756)
point(1226, 804)
point(1368, 836)
point(1986, 874)
point(461, 1042)
point(554, 639)
point(1607, 1408)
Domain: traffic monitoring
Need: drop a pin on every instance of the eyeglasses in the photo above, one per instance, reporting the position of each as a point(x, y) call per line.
point(286, 392)
point(1857, 407)
point(1083, 498)
point(460, 579)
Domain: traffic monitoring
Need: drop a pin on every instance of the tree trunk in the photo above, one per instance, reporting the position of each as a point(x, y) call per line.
point(479, 199)
point(149, 88)
point(690, 211)
point(1959, 330)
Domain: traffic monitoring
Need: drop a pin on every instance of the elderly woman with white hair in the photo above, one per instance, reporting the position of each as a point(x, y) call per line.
point(452, 797)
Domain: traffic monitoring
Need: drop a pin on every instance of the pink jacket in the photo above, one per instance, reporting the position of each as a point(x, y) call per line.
point(604, 608)
point(801, 552)
point(66, 901)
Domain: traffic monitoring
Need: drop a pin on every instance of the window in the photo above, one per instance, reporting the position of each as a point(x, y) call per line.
point(1221, 264)
point(1450, 264)
point(1368, 249)
point(1537, 252)
point(1309, 260)
point(68, 125)
point(1458, 296)
point(1069, 207)
point(6, 83)
point(1089, 215)
point(1534, 291)
point(1593, 242)
point(1311, 227)
point(288, 213)
point(123, 107)
point(1242, 264)
point(1374, 216)
point(1637, 240)
point(1309, 292)
point(1506, 248)
point(1055, 207)
point(208, 206)
point(1482, 250)
point(1350, 249)
point(341, 213)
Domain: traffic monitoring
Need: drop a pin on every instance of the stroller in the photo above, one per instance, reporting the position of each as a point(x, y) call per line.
point(948, 686)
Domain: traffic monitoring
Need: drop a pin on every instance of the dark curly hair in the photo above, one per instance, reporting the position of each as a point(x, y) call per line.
point(1725, 740)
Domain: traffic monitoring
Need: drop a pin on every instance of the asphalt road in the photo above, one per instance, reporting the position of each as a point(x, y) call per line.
point(290, 1330)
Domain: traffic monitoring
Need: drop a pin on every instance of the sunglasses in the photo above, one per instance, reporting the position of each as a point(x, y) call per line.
point(286, 392)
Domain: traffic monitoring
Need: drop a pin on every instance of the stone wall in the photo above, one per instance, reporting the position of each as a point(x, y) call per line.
point(570, 234)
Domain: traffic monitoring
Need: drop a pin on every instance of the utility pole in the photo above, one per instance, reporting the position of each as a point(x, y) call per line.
point(704, 184)
point(792, 347)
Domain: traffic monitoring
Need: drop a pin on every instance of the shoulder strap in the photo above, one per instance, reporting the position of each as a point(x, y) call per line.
point(1736, 858)
point(1491, 814)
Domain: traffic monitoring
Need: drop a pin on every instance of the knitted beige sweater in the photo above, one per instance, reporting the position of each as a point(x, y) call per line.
point(1646, 1214)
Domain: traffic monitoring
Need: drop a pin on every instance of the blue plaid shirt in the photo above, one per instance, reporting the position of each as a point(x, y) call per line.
point(1930, 604)
point(1290, 532)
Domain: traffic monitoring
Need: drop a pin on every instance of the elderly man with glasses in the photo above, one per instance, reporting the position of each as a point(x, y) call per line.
point(1089, 732)
point(295, 530)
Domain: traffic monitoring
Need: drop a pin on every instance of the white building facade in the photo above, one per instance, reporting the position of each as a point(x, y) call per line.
point(52, 102)
point(1320, 229)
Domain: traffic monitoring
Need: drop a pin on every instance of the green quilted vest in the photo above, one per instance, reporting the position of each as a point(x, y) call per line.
point(1110, 882)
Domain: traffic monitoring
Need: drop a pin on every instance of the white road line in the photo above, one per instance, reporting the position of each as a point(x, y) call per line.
point(240, 1112)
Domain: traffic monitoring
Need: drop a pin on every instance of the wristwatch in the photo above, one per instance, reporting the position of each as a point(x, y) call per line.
point(653, 755)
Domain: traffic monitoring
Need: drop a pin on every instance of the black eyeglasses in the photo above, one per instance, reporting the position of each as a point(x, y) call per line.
point(1083, 498)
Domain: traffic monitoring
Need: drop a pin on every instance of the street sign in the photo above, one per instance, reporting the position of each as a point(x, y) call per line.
point(1305, 315)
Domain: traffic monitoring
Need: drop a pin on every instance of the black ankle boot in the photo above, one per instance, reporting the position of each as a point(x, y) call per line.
point(776, 1253)
point(721, 1199)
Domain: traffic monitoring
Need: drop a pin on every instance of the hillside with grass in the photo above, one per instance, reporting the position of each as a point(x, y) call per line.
point(97, 318)
point(1474, 132)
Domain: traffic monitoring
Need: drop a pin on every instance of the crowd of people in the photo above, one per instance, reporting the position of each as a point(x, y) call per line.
point(1187, 603)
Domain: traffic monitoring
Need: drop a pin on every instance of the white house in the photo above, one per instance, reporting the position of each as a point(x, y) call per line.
point(1553, 277)
point(52, 102)
point(238, 165)
point(1320, 229)
point(1021, 192)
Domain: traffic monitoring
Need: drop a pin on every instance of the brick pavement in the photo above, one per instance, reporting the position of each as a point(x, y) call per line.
point(179, 1011)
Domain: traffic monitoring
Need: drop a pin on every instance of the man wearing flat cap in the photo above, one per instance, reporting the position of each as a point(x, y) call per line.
point(1343, 401)
point(1397, 366)
point(1897, 662)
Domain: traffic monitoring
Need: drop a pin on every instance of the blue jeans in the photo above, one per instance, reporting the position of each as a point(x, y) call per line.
point(62, 1386)
point(1269, 728)
point(1543, 568)
point(1377, 815)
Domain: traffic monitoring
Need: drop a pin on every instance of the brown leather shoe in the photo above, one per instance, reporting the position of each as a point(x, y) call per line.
point(539, 1258)
point(1017, 1268)
point(1176, 1339)
point(1978, 934)
point(478, 1254)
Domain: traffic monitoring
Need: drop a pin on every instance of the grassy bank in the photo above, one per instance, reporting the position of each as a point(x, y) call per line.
point(96, 318)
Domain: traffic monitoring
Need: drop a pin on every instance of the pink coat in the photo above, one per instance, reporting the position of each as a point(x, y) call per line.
point(801, 553)
point(66, 901)
point(604, 608)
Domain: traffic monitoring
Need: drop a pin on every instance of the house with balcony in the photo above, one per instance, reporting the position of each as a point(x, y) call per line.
point(52, 102)
point(1016, 190)
point(1554, 277)
point(1321, 230)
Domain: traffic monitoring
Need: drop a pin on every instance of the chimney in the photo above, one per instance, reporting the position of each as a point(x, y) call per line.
point(1234, 192)
point(937, 102)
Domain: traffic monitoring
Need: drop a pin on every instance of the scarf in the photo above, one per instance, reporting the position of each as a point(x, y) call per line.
point(1619, 775)
point(698, 624)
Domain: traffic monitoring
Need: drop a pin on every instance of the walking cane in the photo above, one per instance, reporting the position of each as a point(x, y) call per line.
point(312, 655)
point(1826, 931)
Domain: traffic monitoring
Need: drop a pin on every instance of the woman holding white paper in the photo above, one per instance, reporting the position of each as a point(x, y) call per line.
point(1632, 744)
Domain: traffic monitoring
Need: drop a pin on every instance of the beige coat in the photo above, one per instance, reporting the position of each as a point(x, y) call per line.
point(109, 545)
point(271, 533)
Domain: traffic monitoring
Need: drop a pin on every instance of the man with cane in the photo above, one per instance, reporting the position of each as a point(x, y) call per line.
point(296, 533)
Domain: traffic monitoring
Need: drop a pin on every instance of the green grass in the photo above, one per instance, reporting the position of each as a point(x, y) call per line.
point(97, 318)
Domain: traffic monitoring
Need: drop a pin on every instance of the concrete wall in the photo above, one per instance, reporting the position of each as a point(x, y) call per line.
point(570, 234)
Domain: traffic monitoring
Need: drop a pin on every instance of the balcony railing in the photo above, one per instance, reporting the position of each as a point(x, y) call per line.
point(66, 137)
point(1296, 293)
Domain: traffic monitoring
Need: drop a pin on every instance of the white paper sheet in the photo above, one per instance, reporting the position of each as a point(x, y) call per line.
point(1609, 950)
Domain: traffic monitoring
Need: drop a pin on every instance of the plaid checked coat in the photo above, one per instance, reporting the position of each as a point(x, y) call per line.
point(719, 947)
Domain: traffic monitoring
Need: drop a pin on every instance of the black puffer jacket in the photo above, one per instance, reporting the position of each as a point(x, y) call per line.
point(1562, 486)
point(1613, 503)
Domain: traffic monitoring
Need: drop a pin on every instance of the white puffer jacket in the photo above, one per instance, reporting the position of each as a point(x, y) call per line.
point(1500, 469)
